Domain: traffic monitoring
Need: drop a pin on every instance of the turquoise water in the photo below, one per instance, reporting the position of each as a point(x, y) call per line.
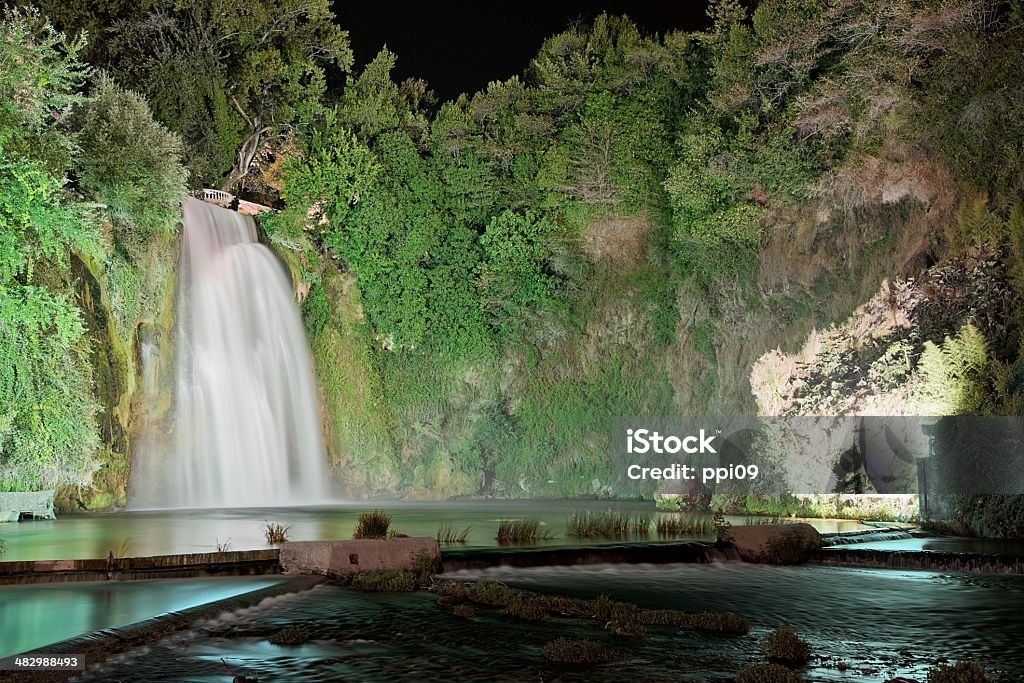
point(141, 533)
point(37, 615)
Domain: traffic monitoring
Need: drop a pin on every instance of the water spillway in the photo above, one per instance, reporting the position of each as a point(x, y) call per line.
point(247, 426)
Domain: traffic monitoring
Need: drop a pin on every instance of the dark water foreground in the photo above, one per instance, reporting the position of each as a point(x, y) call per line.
point(879, 623)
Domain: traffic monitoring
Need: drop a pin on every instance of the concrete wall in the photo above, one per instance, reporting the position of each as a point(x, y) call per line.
point(339, 558)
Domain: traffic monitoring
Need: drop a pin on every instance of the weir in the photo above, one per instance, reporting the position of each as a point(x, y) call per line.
point(247, 427)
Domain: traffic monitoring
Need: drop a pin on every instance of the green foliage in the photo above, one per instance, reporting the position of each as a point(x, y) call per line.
point(956, 376)
point(515, 282)
point(48, 433)
point(130, 162)
point(716, 230)
point(230, 79)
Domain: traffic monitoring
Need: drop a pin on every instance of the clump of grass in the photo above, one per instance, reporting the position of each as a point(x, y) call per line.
point(527, 609)
point(783, 645)
point(289, 635)
point(493, 593)
point(448, 535)
point(961, 672)
point(385, 581)
point(424, 566)
point(517, 531)
point(683, 524)
point(766, 673)
point(581, 652)
point(452, 594)
point(465, 612)
point(627, 629)
point(723, 529)
point(642, 525)
point(275, 533)
point(223, 547)
point(373, 524)
point(608, 524)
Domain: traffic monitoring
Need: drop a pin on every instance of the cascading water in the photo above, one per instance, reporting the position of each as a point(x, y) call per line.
point(247, 425)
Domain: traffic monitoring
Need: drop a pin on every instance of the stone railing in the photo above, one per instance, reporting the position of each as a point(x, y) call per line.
point(226, 200)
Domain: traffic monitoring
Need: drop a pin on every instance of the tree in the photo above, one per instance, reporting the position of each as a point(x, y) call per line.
point(128, 161)
point(243, 72)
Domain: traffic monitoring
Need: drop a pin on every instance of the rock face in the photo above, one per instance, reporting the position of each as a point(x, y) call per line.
point(340, 558)
point(775, 543)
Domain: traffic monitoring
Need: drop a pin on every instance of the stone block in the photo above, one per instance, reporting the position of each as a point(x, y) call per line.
point(339, 558)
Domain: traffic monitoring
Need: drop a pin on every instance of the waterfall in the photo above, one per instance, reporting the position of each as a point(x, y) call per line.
point(247, 427)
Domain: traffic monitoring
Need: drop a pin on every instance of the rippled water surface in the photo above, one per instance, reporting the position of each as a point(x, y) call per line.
point(881, 623)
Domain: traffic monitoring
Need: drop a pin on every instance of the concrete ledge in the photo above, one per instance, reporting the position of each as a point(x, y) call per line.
point(762, 542)
point(342, 558)
point(239, 562)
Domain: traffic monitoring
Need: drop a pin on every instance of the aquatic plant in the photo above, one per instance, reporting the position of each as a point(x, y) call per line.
point(516, 531)
point(289, 635)
point(490, 592)
point(527, 609)
point(275, 533)
point(784, 645)
point(465, 612)
point(609, 524)
point(424, 566)
point(223, 547)
point(627, 629)
point(373, 524)
point(962, 672)
point(683, 524)
point(385, 581)
point(581, 652)
point(721, 525)
point(448, 535)
point(766, 673)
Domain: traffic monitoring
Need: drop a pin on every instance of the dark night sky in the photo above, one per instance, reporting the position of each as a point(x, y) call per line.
point(461, 45)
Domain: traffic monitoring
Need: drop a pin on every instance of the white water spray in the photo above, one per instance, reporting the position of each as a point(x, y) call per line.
point(247, 425)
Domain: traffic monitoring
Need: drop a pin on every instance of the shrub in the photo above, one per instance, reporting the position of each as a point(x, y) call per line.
point(385, 581)
point(275, 533)
point(289, 635)
point(783, 645)
point(373, 524)
point(961, 672)
point(581, 652)
point(766, 673)
point(129, 161)
point(521, 531)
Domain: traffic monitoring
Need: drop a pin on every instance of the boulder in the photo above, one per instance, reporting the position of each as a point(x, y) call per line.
point(775, 543)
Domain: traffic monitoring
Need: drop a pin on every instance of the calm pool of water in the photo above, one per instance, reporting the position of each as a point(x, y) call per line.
point(37, 615)
point(163, 532)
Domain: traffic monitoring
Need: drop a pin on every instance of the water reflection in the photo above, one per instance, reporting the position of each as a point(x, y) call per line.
point(195, 531)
